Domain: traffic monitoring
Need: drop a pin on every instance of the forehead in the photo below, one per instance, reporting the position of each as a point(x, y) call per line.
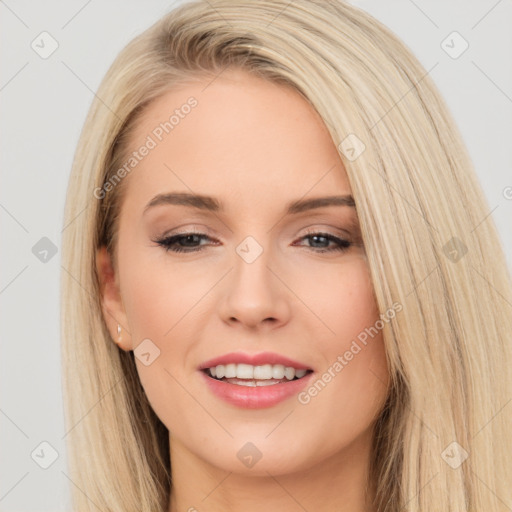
point(235, 136)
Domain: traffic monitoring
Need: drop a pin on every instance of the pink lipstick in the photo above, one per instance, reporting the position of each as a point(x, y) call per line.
point(255, 381)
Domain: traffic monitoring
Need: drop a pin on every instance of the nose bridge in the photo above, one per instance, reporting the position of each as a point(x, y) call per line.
point(253, 292)
point(252, 275)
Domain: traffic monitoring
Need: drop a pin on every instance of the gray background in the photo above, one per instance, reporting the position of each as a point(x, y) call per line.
point(43, 106)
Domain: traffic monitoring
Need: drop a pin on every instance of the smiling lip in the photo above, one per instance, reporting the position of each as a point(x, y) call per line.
point(255, 360)
point(259, 396)
point(255, 397)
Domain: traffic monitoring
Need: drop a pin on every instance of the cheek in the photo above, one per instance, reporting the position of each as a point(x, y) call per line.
point(157, 297)
point(342, 296)
point(358, 327)
point(159, 305)
point(353, 377)
point(163, 304)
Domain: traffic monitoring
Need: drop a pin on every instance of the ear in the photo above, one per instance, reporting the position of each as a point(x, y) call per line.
point(111, 302)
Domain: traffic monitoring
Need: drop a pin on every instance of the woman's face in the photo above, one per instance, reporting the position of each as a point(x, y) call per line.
point(267, 277)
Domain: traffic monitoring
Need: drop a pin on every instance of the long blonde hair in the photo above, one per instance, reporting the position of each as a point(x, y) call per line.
point(428, 248)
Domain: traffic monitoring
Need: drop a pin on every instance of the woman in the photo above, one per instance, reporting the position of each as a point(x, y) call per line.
point(278, 289)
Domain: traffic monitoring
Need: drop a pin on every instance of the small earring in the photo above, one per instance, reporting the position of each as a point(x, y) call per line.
point(118, 333)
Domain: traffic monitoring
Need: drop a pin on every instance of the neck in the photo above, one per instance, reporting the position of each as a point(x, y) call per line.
point(338, 483)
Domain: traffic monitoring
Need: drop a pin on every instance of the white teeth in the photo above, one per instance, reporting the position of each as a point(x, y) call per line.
point(261, 373)
point(265, 382)
point(278, 371)
point(244, 371)
point(230, 371)
point(289, 372)
point(220, 371)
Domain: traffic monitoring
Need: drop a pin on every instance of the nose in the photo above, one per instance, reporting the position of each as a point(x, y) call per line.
point(255, 295)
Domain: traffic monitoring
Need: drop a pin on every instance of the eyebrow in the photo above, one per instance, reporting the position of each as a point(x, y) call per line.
point(212, 204)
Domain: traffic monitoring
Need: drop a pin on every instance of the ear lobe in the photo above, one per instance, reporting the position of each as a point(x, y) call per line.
point(111, 302)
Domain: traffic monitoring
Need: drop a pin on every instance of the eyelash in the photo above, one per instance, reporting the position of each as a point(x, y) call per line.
point(168, 242)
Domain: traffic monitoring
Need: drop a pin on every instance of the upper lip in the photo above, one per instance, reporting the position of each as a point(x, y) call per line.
point(254, 359)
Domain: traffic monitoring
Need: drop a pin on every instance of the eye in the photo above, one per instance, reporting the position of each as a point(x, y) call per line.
point(190, 242)
point(170, 243)
point(325, 238)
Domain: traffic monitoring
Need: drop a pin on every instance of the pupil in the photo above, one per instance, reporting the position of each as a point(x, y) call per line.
point(317, 237)
point(188, 238)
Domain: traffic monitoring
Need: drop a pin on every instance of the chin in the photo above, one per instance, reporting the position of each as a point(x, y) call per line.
point(260, 458)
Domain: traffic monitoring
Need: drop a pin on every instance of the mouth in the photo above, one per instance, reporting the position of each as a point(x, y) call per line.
point(242, 374)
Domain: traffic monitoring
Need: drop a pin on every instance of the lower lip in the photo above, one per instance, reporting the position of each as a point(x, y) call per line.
point(256, 397)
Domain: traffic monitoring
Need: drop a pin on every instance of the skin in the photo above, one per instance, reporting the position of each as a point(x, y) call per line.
point(255, 146)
